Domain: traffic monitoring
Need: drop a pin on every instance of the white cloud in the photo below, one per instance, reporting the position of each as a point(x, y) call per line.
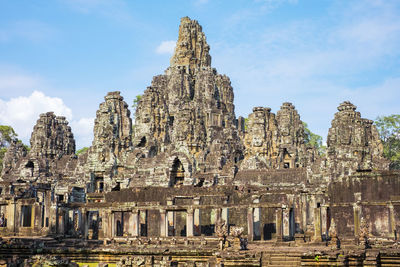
point(83, 131)
point(22, 112)
point(166, 47)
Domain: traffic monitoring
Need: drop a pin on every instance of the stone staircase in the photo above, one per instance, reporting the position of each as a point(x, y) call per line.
point(281, 259)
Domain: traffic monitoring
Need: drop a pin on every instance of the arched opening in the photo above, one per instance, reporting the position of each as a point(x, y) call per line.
point(152, 152)
point(30, 166)
point(142, 142)
point(287, 159)
point(177, 173)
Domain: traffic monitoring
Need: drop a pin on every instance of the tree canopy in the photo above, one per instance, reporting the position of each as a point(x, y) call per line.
point(7, 134)
point(389, 132)
point(82, 150)
point(136, 102)
point(313, 139)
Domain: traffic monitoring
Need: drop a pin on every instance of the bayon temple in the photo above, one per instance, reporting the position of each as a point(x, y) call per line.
point(190, 184)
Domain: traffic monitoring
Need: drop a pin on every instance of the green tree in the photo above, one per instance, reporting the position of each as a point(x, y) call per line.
point(313, 139)
point(136, 103)
point(82, 150)
point(7, 134)
point(389, 132)
point(134, 107)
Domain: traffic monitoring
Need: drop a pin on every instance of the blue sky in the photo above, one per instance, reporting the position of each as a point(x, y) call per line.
point(65, 55)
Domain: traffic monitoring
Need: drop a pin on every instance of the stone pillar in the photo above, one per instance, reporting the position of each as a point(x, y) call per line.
point(324, 216)
point(189, 222)
point(357, 219)
point(250, 224)
point(392, 223)
point(61, 221)
point(170, 223)
point(109, 224)
point(134, 223)
point(256, 219)
point(285, 222)
point(304, 212)
point(317, 225)
point(112, 224)
point(279, 225)
point(103, 220)
point(53, 218)
point(225, 215)
point(197, 225)
point(163, 224)
point(10, 215)
point(84, 224)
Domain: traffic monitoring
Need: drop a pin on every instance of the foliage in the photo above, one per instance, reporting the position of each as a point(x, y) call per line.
point(82, 150)
point(313, 139)
point(246, 123)
point(134, 107)
point(136, 103)
point(389, 132)
point(7, 134)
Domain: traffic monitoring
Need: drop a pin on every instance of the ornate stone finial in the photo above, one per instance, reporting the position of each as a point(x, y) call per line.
point(347, 105)
point(191, 48)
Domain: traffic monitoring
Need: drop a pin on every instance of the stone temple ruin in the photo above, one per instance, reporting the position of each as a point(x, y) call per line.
point(189, 184)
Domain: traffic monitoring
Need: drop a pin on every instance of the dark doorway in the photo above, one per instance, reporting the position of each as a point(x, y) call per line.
point(177, 173)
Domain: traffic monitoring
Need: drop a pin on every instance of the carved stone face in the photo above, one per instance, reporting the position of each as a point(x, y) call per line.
point(257, 141)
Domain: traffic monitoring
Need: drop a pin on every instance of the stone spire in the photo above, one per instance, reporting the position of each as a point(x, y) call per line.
point(353, 143)
point(52, 137)
point(191, 48)
point(275, 141)
point(189, 108)
point(112, 127)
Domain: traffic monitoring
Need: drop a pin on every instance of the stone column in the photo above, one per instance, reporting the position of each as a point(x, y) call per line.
point(163, 223)
point(357, 219)
point(170, 223)
point(61, 221)
point(108, 226)
point(84, 224)
point(225, 215)
point(285, 222)
point(278, 223)
point(197, 225)
point(324, 215)
point(317, 224)
point(10, 215)
point(304, 212)
point(189, 222)
point(392, 222)
point(112, 224)
point(103, 228)
point(256, 219)
point(134, 223)
point(250, 224)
